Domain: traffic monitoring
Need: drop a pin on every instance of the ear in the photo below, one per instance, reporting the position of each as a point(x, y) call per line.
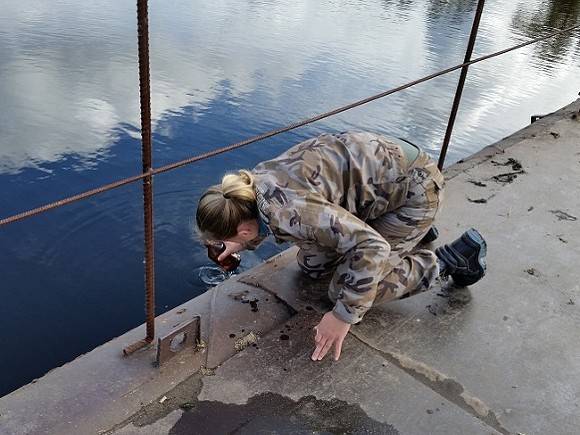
point(244, 229)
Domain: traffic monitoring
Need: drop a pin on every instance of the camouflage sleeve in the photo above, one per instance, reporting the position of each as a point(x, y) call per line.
point(364, 252)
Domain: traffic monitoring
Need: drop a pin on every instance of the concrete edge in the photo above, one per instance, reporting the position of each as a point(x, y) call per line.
point(538, 128)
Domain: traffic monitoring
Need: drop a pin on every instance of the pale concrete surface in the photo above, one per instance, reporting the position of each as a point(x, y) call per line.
point(500, 357)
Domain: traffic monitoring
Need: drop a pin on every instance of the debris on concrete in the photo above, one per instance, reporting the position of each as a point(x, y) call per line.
point(246, 341)
point(477, 201)
point(205, 371)
point(477, 183)
point(532, 271)
point(200, 346)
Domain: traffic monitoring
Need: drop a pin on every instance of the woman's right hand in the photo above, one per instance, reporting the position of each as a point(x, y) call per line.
point(231, 247)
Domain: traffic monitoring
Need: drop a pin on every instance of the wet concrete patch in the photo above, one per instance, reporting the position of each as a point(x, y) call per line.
point(274, 413)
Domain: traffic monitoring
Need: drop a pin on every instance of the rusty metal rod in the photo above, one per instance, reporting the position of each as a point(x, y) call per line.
point(104, 188)
point(461, 83)
point(146, 157)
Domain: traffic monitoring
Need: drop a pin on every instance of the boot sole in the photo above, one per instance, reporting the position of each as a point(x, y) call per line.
point(473, 238)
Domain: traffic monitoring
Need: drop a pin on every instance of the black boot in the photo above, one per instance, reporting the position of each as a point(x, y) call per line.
point(431, 235)
point(464, 259)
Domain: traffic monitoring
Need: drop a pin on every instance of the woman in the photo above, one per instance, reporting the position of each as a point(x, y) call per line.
point(357, 205)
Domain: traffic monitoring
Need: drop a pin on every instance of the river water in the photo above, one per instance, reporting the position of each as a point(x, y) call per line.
point(221, 72)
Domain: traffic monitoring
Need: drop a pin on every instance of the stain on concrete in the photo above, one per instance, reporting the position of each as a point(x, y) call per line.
point(532, 271)
point(457, 297)
point(507, 177)
point(515, 164)
point(563, 216)
point(478, 201)
point(440, 383)
point(274, 413)
point(181, 396)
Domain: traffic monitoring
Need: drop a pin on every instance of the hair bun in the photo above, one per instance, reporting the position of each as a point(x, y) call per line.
point(238, 186)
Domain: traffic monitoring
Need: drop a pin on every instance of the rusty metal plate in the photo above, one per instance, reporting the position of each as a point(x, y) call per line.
point(184, 336)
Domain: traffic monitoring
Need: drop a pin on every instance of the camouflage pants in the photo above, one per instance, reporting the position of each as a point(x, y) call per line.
point(411, 270)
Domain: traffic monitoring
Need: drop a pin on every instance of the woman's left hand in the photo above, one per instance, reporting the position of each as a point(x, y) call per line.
point(331, 331)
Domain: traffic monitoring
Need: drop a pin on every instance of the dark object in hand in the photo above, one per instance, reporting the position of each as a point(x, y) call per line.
point(230, 263)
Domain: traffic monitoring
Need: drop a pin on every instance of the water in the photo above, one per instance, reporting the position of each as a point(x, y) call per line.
point(213, 275)
point(221, 72)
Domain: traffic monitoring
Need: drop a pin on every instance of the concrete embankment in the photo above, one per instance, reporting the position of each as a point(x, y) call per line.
point(499, 357)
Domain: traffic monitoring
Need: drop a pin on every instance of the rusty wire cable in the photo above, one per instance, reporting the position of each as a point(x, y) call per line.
point(175, 165)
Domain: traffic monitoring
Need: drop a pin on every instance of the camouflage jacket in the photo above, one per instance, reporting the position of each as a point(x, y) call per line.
point(321, 192)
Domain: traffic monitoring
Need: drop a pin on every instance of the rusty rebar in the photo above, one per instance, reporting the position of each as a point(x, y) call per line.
point(146, 157)
point(461, 83)
point(104, 188)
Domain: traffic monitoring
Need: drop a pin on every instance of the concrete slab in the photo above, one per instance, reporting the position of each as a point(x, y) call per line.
point(281, 276)
point(238, 315)
point(276, 388)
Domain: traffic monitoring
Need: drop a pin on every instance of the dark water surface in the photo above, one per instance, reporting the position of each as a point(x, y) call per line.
point(221, 71)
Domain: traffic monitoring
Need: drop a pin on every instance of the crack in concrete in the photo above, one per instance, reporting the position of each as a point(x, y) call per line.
point(249, 280)
point(441, 384)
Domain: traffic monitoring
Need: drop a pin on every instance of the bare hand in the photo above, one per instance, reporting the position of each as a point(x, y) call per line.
point(331, 331)
point(231, 247)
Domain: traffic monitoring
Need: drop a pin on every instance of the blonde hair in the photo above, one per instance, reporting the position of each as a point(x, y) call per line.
point(223, 207)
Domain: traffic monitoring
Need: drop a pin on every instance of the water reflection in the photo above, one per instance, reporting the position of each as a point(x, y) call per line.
point(552, 15)
point(452, 11)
